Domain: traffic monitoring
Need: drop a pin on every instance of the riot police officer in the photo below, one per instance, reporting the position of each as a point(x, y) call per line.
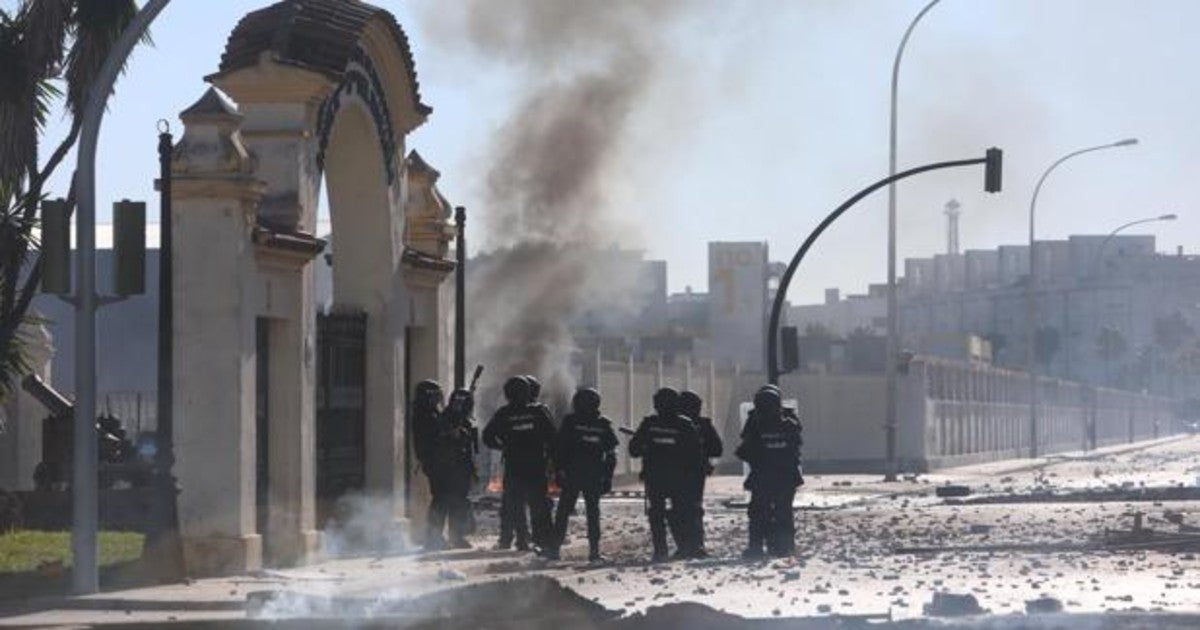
point(672, 459)
point(452, 470)
point(525, 434)
point(513, 520)
point(586, 459)
point(426, 408)
point(535, 394)
point(771, 446)
point(690, 405)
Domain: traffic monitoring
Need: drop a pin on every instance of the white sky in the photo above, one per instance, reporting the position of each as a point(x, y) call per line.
point(781, 113)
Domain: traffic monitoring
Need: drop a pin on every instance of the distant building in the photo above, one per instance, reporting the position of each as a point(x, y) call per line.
point(973, 306)
point(738, 278)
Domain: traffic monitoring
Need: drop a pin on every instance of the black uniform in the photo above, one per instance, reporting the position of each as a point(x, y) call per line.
point(710, 441)
point(452, 469)
point(771, 444)
point(672, 459)
point(525, 434)
point(426, 408)
point(586, 458)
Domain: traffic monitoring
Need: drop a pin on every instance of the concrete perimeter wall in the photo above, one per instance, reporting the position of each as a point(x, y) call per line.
point(974, 414)
point(950, 412)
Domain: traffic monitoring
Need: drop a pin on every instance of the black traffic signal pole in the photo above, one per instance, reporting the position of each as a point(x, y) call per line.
point(992, 159)
point(164, 553)
point(460, 299)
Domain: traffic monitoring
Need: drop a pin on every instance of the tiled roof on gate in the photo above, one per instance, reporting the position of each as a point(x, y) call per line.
point(319, 35)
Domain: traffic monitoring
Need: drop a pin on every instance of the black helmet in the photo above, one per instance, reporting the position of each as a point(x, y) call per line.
point(462, 401)
point(516, 390)
point(768, 399)
point(666, 401)
point(535, 386)
point(586, 400)
point(690, 404)
point(428, 394)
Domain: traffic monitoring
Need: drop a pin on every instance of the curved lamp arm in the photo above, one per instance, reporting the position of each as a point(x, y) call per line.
point(1042, 180)
point(1100, 249)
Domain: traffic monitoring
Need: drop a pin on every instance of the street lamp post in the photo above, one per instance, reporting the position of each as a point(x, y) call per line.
point(1031, 288)
point(85, 504)
point(893, 326)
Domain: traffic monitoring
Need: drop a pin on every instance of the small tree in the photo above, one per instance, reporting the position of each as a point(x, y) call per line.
point(1110, 345)
point(49, 50)
point(1188, 362)
point(1171, 334)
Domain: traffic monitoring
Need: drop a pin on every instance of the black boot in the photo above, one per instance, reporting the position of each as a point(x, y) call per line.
point(754, 550)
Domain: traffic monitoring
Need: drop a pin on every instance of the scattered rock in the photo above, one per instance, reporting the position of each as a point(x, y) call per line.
point(952, 490)
point(450, 575)
point(953, 605)
point(1043, 605)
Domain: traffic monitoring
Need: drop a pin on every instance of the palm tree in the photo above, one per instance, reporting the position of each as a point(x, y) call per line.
point(1046, 343)
point(1171, 334)
point(1188, 362)
point(1110, 345)
point(50, 50)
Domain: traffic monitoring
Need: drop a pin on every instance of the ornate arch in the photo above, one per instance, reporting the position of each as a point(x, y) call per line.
point(358, 48)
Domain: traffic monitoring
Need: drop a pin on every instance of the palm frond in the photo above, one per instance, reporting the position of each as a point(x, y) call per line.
point(17, 238)
point(97, 26)
point(16, 360)
point(47, 24)
point(17, 121)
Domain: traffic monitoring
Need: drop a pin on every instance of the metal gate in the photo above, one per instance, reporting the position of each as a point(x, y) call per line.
point(341, 407)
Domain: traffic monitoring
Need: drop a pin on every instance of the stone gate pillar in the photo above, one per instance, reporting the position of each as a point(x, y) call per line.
point(215, 200)
point(279, 107)
point(426, 265)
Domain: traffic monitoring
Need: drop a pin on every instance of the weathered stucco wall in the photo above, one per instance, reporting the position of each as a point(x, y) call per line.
point(949, 412)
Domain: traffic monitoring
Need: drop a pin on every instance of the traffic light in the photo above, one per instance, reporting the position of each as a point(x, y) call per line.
point(993, 170)
point(129, 247)
point(56, 247)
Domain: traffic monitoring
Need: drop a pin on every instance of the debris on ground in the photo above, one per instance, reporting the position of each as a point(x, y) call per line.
point(1043, 606)
point(953, 605)
point(952, 490)
point(1186, 538)
point(528, 602)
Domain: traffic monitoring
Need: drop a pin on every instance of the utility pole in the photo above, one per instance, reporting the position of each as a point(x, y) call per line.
point(893, 321)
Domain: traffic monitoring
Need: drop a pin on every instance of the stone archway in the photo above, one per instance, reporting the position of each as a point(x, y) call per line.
point(322, 87)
